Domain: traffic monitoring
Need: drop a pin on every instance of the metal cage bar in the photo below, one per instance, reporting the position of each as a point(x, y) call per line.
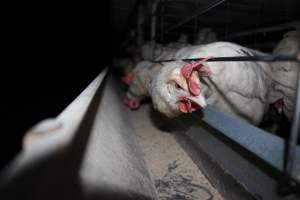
point(264, 58)
point(291, 168)
point(197, 13)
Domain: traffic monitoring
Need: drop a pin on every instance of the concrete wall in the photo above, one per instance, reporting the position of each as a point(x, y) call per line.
point(87, 152)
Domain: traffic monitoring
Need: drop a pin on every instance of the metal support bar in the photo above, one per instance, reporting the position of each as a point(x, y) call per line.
point(265, 145)
point(290, 166)
point(195, 35)
point(295, 131)
point(222, 155)
point(227, 20)
point(173, 16)
point(185, 26)
point(266, 58)
point(140, 24)
point(153, 20)
point(294, 24)
point(162, 23)
point(197, 13)
point(153, 25)
point(128, 24)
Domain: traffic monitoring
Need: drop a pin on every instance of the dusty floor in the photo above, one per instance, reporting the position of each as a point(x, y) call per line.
point(174, 173)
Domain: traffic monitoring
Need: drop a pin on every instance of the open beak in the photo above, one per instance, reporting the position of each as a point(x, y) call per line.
point(192, 103)
point(199, 100)
point(191, 73)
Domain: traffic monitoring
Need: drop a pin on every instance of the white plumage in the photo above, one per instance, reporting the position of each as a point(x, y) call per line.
point(285, 73)
point(242, 89)
point(139, 83)
point(181, 42)
point(205, 36)
point(238, 88)
point(140, 76)
point(158, 51)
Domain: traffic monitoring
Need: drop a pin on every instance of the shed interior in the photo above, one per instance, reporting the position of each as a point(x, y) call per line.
point(93, 147)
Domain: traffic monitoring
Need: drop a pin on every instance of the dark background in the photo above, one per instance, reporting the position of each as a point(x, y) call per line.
point(51, 52)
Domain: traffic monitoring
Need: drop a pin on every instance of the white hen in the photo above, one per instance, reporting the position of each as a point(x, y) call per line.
point(157, 52)
point(238, 88)
point(139, 81)
point(165, 53)
point(205, 36)
point(181, 42)
point(285, 73)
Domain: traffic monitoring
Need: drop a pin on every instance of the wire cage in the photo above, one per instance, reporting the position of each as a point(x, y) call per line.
point(89, 152)
point(167, 25)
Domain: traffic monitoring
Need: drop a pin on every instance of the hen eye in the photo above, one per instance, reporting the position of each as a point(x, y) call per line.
point(177, 86)
point(203, 81)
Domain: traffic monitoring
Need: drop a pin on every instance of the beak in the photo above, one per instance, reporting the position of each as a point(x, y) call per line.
point(200, 100)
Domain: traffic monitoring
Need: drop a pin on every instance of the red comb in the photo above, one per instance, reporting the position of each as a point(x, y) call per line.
point(187, 71)
point(127, 79)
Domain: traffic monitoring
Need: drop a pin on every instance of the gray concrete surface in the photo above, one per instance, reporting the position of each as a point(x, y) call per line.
point(92, 154)
point(173, 172)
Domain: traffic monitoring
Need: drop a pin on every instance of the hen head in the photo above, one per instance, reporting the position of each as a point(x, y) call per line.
point(176, 89)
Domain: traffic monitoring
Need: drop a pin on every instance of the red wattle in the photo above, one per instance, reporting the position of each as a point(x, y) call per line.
point(183, 107)
point(187, 106)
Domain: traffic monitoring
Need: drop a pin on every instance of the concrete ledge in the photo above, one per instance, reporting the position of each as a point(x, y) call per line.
point(232, 169)
point(91, 155)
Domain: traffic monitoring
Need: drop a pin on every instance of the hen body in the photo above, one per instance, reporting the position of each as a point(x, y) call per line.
point(238, 88)
point(205, 36)
point(285, 73)
point(143, 74)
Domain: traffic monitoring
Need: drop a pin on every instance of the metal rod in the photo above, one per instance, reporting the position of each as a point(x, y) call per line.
point(294, 134)
point(140, 25)
point(266, 58)
point(153, 20)
point(195, 36)
point(279, 27)
point(130, 18)
point(153, 25)
point(197, 13)
point(195, 24)
point(186, 25)
point(162, 23)
point(227, 20)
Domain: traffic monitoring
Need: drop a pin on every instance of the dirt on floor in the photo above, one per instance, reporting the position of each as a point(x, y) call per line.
point(175, 175)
